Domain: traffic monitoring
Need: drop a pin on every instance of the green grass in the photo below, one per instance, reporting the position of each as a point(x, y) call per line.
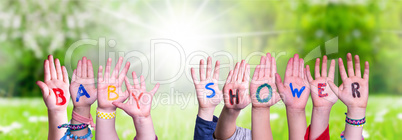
point(384, 119)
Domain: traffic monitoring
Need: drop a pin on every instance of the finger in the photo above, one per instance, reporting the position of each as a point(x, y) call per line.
point(74, 75)
point(107, 70)
point(357, 66)
point(193, 75)
point(273, 68)
point(202, 70)
point(116, 69)
point(331, 72)
point(58, 70)
point(350, 65)
point(289, 68)
point(279, 83)
point(100, 76)
point(209, 67)
point(128, 85)
point(261, 73)
point(235, 72)
point(241, 72)
point(79, 69)
point(324, 66)
point(267, 72)
point(317, 68)
point(84, 67)
point(296, 66)
point(142, 81)
point(309, 77)
point(229, 78)
point(44, 88)
point(342, 70)
point(156, 87)
point(47, 70)
point(333, 87)
point(124, 72)
point(90, 69)
point(366, 70)
point(135, 79)
point(256, 71)
point(216, 71)
point(301, 68)
point(65, 75)
point(52, 68)
point(246, 77)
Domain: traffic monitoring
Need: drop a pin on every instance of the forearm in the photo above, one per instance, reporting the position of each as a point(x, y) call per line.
point(85, 112)
point(105, 128)
point(296, 123)
point(319, 121)
point(354, 132)
point(206, 113)
point(56, 118)
point(261, 127)
point(144, 128)
point(226, 126)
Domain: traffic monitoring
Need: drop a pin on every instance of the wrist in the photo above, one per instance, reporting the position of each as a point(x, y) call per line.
point(231, 111)
point(83, 111)
point(356, 112)
point(322, 109)
point(295, 110)
point(106, 110)
point(260, 109)
point(206, 113)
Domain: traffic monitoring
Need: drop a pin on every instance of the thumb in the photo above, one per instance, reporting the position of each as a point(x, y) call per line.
point(44, 88)
point(119, 105)
point(334, 88)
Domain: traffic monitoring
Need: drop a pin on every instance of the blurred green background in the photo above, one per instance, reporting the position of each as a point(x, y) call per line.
point(30, 30)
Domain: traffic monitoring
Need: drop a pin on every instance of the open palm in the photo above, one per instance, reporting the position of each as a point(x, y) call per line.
point(56, 77)
point(321, 93)
point(109, 87)
point(295, 79)
point(84, 76)
point(208, 93)
point(237, 83)
point(264, 79)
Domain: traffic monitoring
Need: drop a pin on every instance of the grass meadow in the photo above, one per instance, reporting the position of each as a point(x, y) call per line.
point(26, 118)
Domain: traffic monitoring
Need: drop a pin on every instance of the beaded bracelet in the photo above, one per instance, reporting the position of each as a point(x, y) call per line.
point(73, 127)
point(106, 116)
point(354, 122)
point(68, 135)
point(343, 136)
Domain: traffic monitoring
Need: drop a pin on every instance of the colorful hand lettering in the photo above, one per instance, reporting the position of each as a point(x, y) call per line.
point(55, 86)
point(83, 84)
point(143, 102)
point(295, 78)
point(109, 87)
point(354, 85)
point(263, 88)
point(236, 87)
point(322, 95)
point(207, 83)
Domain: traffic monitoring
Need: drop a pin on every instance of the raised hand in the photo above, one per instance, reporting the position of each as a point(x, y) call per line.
point(295, 89)
point(109, 87)
point(208, 93)
point(353, 92)
point(236, 87)
point(321, 93)
point(55, 86)
point(83, 91)
point(140, 101)
point(263, 88)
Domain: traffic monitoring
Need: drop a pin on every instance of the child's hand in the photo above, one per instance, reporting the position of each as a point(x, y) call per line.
point(353, 92)
point(140, 101)
point(85, 95)
point(109, 87)
point(322, 94)
point(236, 87)
point(55, 88)
point(208, 93)
point(295, 89)
point(264, 79)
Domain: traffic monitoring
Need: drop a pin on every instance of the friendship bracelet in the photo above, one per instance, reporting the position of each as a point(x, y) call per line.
point(83, 119)
point(68, 135)
point(106, 116)
point(343, 136)
point(355, 122)
point(73, 127)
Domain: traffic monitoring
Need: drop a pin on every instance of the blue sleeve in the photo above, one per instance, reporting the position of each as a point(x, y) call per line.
point(204, 130)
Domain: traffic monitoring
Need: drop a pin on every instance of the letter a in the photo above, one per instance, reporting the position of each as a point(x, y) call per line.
point(81, 92)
